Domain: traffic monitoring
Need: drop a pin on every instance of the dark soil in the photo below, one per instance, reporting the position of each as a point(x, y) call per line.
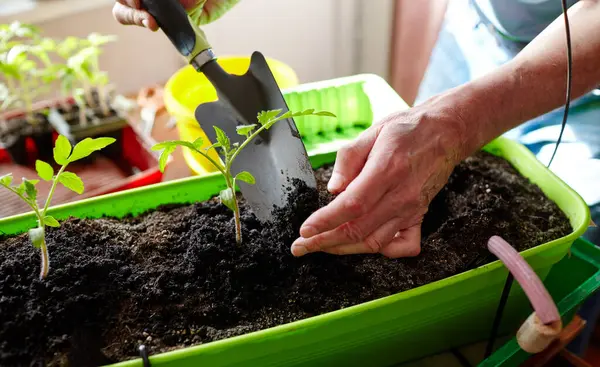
point(174, 277)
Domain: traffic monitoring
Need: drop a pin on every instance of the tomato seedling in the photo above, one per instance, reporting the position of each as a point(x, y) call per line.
point(64, 154)
point(230, 151)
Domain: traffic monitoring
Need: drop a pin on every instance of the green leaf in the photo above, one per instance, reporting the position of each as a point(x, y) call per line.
point(44, 170)
point(246, 177)
point(21, 188)
point(173, 143)
point(222, 138)
point(88, 145)
point(215, 145)
point(36, 235)
point(228, 198)
point(30, 189)
point(266, 116)
point(6, 180)
point(62, 150)
point(325, 113)
point(198, 143)
point(50, 221)
point(71, 181)
point(245, 130)
point(164, 157)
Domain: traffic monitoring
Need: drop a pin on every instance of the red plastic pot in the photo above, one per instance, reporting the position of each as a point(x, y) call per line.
point(131, 153)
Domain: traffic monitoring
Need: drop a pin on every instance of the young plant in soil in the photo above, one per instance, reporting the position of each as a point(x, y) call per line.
point(230, 151)
point(64, 154)
point(24, 76)
point(84, 65)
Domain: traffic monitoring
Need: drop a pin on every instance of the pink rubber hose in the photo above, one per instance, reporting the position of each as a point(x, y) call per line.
point(540, 299)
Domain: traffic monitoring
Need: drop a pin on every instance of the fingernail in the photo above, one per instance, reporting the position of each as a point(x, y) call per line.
point(308, 231)
point(146, 23)
point(298, 250)
point(335, 183)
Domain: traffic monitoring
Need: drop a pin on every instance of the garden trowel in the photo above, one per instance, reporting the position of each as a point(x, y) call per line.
point(277, 158)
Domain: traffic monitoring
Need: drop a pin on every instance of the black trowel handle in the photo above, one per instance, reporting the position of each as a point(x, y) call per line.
point(187, 38)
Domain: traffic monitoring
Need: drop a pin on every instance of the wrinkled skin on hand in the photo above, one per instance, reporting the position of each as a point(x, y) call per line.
point(129, 12)
point(385, 180)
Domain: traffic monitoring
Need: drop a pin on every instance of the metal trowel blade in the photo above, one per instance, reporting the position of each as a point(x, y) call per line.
point(277, 157)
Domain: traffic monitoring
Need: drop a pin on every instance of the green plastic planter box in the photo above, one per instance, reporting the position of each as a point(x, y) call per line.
point(419, 322)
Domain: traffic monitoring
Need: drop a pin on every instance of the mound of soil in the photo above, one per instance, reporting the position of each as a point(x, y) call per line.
point(174, 277)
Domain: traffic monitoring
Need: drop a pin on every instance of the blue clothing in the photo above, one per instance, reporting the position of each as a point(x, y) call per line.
point(521, 20)
point(468, 48)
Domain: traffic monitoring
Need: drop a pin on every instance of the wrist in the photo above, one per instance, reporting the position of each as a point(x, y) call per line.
point(441, 120)
point(477, 112)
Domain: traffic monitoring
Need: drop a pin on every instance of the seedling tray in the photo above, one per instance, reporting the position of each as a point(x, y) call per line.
point(448, 313)
point(129, 165)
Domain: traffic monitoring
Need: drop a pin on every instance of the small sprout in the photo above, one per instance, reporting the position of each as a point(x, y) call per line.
point(266, 120)
point(64, 154)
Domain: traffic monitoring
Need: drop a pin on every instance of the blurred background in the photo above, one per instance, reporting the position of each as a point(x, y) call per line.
point(319, 39)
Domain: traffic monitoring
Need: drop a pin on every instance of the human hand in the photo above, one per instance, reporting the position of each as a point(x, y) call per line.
point(385, 180)
point(130, 12)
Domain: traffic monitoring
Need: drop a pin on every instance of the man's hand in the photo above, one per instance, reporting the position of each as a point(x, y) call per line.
point(390, 174)
point(130, 12)
point(385, 181)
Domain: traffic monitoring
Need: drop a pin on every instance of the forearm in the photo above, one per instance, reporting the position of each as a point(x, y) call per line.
point(531, 84)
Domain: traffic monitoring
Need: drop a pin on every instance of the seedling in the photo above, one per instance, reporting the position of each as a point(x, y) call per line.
point(266, 119)
point(64, 154)
point(85, 66)
point(23, 76)
point(18, 30)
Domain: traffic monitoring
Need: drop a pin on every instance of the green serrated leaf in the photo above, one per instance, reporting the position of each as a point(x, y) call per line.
point(163, 145)
point(246, 177)
point(51, 222)
point(215, 145)
point(44, 170)
point(36, 235)
point(88, 146)
point(164, 157)
point(30, 189)
point(325, 113)
point(267, 125)
point(309, 111)
point(173, 143)
point(71, 181)
point(198, 143)
point(227, 198)
point(266, 116)
point(222, 138)
point(62, 150)
point(245, 130)
point(21, 188)
point(6, 180)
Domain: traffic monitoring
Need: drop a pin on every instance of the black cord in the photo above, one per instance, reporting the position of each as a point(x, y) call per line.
point(461, 358)
point(569, 71)
point(499, 311)
point(144, 354)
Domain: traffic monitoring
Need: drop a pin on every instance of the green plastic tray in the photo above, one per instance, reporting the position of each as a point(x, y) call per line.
point(419, 322)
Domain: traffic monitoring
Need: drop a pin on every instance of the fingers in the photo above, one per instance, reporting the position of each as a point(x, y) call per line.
point(385, 240)
point(134, 4)
point(394, 205)
point(130, 14)
point(350, 160)
point(358, 199)
point(371, 244)
point(406, 243)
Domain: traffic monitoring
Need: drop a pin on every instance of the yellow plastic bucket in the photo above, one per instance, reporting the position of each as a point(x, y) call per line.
point(187, 88)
